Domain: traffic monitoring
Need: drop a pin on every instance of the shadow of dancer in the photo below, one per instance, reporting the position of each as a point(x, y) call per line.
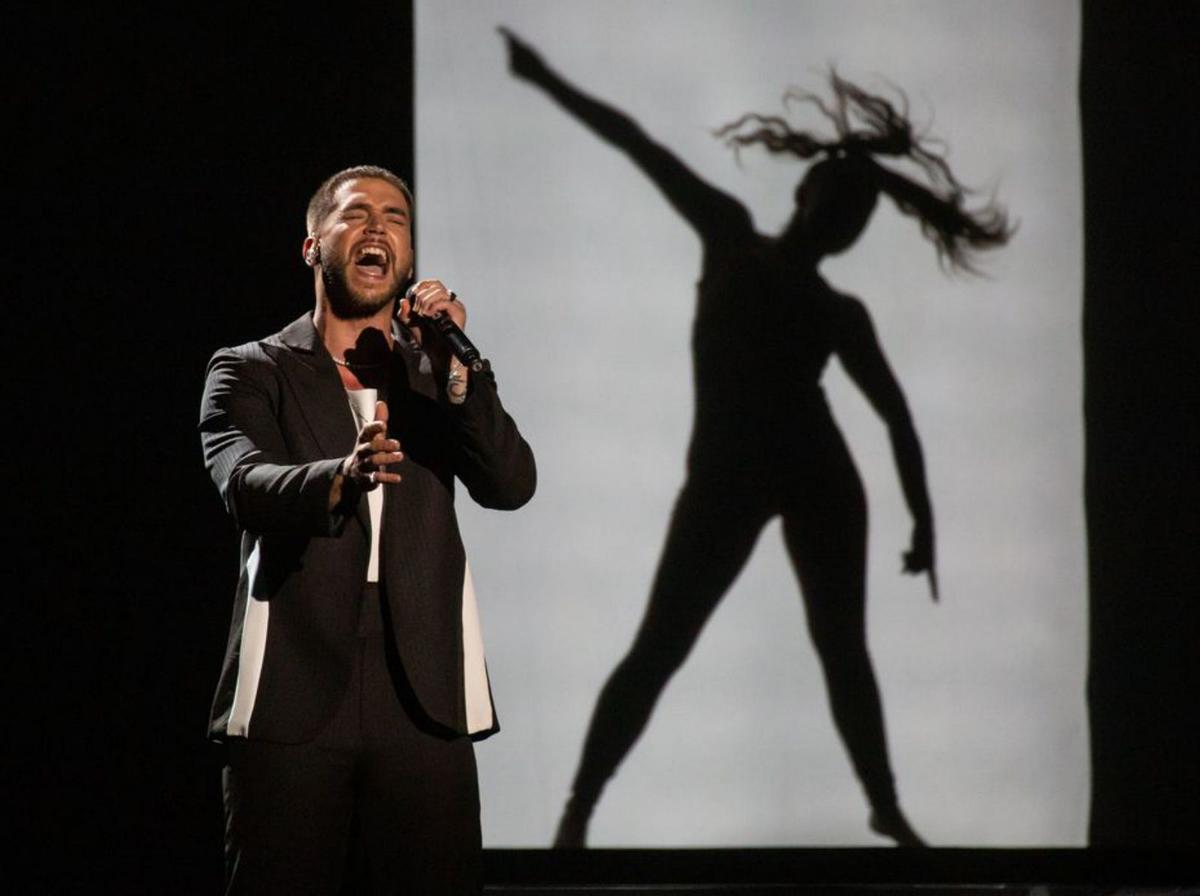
point(764, 442)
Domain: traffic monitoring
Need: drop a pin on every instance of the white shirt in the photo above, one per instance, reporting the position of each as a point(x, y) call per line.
point(362, 403)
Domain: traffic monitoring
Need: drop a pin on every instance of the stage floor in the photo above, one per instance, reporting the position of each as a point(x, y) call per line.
point(843, 872)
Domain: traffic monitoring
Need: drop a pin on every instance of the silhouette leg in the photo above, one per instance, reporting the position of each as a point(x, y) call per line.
point(707, 544)
point(828, 551)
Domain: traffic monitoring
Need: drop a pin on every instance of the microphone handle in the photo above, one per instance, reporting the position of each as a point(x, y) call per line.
point(457, 340)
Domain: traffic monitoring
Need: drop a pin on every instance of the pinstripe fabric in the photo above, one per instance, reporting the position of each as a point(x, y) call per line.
point(275, 423)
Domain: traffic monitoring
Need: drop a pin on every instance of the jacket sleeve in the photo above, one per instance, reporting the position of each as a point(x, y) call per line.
point(492, 459)
point(247, 456)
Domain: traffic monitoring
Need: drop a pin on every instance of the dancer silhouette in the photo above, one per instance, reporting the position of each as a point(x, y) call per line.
point(764, 442)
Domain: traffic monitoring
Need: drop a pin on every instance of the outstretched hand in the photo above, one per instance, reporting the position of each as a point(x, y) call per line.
point(523, 60)
point(919, 558)
point(366, 465)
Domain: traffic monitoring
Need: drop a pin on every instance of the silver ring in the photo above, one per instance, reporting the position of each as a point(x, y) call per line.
point(372, 477)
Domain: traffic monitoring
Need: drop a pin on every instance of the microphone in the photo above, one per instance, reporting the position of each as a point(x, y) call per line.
point(459, 344)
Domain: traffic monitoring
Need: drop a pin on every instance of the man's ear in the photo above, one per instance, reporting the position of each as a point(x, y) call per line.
point(311, 250)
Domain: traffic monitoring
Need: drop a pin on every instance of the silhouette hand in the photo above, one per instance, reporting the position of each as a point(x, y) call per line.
point(919, 557)
point(523, 60)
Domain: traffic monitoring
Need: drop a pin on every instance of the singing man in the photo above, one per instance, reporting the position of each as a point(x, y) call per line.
point(354, 681)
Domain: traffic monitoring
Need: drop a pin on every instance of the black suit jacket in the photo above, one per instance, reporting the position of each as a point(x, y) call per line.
point(275, 425)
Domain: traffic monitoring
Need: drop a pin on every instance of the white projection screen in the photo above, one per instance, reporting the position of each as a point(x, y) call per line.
point(580, 281)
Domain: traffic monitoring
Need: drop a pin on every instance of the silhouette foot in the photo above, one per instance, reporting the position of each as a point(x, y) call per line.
point(572, 827)
point(889, 821)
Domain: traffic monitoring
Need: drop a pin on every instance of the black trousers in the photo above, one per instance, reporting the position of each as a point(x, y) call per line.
point(375, 805)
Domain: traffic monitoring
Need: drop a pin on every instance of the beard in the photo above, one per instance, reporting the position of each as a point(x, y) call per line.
point(348, 303)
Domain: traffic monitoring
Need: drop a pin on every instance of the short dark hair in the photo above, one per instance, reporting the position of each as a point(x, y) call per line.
point(322, 201)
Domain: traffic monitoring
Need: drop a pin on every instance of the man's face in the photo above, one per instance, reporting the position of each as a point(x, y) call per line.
point(365, 247)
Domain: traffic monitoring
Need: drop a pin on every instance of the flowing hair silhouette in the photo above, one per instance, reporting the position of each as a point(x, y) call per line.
point(868, 125)
point(768, 446)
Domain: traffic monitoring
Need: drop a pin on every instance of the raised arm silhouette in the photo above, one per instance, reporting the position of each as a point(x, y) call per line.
point(764, 442)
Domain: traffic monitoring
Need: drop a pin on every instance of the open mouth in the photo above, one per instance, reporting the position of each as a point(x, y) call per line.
point(372, 261)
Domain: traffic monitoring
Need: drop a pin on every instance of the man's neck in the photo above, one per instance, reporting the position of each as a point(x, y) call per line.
point(361, 348)
point(341, 335)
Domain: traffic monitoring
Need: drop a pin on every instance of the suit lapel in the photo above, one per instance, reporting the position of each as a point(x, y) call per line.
point(318, 388)
point(320, 394)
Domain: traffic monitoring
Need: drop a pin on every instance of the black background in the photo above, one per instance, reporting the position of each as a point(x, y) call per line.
point(163, 165)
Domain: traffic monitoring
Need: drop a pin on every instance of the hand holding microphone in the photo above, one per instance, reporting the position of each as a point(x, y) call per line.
point(428, 303)
point(437, 307)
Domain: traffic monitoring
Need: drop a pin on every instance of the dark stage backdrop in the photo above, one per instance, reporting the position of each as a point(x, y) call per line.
point(581, 282)
point(170, 156)
point(163, 166)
